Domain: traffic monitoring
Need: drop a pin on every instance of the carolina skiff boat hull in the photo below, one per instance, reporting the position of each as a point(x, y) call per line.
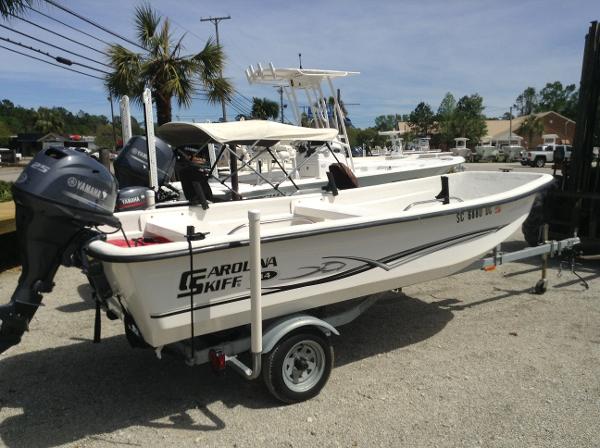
point(317, 249)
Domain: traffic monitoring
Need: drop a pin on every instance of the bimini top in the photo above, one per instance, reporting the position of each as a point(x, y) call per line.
point(247, 132)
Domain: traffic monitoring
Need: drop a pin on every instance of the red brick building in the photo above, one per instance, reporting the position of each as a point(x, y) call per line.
point(554, 123)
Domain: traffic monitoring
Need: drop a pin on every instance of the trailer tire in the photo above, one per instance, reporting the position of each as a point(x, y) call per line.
point(298, 366)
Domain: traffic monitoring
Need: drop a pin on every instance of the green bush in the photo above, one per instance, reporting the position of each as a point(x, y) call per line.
point(5, 192)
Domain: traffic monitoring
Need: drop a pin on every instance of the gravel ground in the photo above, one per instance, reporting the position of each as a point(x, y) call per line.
point(10, 173)
point(471, 360)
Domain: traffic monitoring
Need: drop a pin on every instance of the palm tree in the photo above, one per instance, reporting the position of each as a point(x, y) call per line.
point(264, 108)
point(163, 69)
point(8, 7)
point(533, 127)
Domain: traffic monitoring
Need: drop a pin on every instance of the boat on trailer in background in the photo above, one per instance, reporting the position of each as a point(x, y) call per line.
point(316, 150)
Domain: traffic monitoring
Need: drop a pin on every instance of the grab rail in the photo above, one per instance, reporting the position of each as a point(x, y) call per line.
point(430, 201)
point(272, 220)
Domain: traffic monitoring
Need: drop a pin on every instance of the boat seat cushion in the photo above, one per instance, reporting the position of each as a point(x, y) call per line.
point(343, 176)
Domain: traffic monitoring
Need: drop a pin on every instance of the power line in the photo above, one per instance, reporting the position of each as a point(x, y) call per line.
point(58, 34)
point(235, 106)
point(52, 45)
point(234, 102)
point(56, 58)
point(238, 109)
point(69, 26)
point(91, 22)
point(244, 96)
point(51, 63)
point(244, 109)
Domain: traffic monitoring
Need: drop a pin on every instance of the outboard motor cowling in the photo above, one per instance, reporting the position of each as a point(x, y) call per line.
point(134, 198)
point(131, 166)
point(58, 195)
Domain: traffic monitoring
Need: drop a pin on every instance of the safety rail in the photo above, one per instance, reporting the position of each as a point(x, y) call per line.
point(431, 201)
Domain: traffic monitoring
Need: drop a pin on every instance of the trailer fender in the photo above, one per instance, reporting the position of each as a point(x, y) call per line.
point(274, 334)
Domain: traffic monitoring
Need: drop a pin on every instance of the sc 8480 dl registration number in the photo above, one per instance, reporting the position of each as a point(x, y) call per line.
point(476, 213)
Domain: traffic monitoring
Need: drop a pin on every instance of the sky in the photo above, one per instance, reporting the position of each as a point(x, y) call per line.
point(406, 51)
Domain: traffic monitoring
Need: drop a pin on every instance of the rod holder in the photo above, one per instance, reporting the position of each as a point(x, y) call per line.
point(256, 340)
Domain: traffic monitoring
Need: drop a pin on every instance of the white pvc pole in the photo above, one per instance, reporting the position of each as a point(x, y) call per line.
point(255, 283)
point(125, 119)
point(149, 119)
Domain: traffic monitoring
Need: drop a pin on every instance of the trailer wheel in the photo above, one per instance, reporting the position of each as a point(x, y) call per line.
point(298, 367)
point(541, 286)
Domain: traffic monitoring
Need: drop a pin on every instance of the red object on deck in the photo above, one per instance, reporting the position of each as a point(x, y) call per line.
point(137, 242)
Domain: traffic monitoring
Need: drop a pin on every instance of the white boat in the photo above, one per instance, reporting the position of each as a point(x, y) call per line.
point(485, 151)
point(309, 170)
point(460, 147)
point(512, 153)
point(421, 147)
point(396, 143)
point(317, 249)
point(176, 274)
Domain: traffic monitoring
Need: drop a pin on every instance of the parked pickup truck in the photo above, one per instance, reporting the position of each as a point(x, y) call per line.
point(543, 154)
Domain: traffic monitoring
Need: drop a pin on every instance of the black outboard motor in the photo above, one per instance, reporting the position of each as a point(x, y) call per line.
point(131, 171)
point(131, 166)
point(59, 194)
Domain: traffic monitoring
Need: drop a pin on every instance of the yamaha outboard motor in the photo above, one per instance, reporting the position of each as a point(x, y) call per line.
point(131, 171)
point(131, 166)
point(58, 196)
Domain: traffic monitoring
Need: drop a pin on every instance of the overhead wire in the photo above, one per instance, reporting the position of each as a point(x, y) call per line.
point(69, 26)
point(59, 59)
point(51, 63)
point(234, 106)
point(91, 22)
point(234, 103)
point(52, 45)
point(58, 34)
point(244, 109)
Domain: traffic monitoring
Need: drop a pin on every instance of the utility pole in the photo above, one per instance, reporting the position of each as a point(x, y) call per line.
point(510, 128)
point(232, 158)
point(216, 21)
point(280, 91)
